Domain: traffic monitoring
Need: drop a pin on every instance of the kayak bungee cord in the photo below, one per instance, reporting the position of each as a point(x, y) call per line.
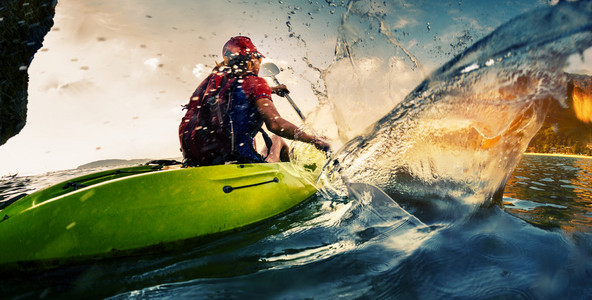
point(227, 189)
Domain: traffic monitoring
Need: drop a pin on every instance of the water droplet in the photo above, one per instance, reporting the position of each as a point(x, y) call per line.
point(70, 225)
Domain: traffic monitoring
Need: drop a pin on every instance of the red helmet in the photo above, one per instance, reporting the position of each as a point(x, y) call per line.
point(240, 46)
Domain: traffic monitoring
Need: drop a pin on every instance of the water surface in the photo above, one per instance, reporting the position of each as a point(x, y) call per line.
point(538, 246)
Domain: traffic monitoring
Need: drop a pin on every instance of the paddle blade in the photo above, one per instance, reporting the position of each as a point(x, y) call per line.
point(268, 70)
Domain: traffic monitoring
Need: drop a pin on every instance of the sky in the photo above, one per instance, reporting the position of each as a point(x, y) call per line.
point(112, 76)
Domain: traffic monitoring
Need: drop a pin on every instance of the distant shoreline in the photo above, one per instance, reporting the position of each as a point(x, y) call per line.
point(558, 155)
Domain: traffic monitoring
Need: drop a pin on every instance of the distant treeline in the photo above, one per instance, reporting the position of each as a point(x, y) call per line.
point(550, 140)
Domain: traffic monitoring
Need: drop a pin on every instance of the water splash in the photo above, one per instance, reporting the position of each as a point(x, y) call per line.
point(461, 132)
point(366, 28)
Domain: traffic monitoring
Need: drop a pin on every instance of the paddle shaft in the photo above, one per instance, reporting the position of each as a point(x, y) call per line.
point(290, 100)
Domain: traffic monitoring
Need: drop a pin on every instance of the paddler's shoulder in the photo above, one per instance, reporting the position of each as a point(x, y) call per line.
point(255, 82)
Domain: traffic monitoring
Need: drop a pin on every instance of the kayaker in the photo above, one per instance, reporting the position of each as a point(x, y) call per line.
point(228, 109)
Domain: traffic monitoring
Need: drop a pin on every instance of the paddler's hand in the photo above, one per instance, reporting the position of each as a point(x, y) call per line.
point(321, 144)
point(280, 90)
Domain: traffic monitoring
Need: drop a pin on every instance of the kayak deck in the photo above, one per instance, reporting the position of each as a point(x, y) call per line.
point(106, 213)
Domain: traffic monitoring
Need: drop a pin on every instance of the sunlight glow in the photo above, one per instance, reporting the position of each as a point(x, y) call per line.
point(152, 63)
point(199, 71)
point(582, 104)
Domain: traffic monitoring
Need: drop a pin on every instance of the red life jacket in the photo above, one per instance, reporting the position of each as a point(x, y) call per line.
point(204, 132)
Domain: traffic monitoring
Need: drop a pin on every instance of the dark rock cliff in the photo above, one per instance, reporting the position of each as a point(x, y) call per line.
point(568, 127)
point(23, 25)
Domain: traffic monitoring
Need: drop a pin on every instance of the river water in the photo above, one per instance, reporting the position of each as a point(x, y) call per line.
point(539, 246)
point(472, 217)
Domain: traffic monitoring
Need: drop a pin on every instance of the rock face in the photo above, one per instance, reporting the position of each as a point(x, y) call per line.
point(568, 129)
point(576, 118)
point(23, 25)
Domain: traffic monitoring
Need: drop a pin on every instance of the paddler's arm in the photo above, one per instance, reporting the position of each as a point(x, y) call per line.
point(282, 127)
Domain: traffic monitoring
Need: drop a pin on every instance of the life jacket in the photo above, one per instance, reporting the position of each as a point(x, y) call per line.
point(206, 132)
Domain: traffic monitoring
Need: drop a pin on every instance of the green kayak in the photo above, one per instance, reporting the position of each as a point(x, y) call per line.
point(122, 211)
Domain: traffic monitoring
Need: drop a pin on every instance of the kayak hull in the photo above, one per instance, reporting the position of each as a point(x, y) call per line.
point(147, 209)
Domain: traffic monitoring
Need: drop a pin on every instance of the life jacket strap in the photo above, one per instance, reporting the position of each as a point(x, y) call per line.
point(267, 140)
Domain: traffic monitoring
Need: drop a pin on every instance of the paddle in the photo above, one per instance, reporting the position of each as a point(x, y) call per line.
point(355, 189)
point(270, 70)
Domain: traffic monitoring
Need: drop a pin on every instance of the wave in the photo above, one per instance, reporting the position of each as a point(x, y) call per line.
point(457, 137)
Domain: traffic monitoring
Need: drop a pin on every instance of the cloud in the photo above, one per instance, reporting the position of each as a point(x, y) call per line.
point(200, 71)
point(152, 63)
point(405, 22)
